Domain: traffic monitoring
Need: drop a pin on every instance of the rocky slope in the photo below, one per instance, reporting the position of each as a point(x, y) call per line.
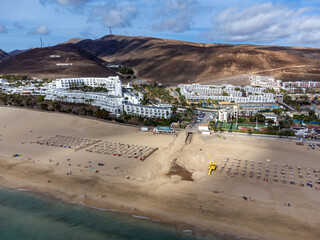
point(170, 61)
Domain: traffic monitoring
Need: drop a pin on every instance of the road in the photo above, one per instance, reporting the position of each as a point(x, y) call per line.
point(287, 106)
point(205, 120)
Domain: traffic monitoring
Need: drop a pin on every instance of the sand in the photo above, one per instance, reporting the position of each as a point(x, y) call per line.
point(213, 203)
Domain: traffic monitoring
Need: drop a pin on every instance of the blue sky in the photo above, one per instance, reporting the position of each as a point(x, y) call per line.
point(289, 23)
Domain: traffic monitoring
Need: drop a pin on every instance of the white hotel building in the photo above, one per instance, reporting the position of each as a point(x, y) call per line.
point(148, 111)
point(236, 94)
point(265, 81)
point(113, 84)
point(301, 84)
point(112, 104)
point(117, 100)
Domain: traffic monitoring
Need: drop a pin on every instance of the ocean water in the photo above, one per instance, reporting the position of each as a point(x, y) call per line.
point(26, 215)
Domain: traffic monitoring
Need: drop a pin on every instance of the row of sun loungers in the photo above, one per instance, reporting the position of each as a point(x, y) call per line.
point(277, 173)
point(67, 142)
point(99, 146)
point(122, 149)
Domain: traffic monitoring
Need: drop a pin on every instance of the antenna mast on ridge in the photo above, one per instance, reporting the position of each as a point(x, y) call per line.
point(110, 31)
point(41, 43)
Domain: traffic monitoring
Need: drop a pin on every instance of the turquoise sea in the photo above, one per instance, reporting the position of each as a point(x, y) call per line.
point(25, 215)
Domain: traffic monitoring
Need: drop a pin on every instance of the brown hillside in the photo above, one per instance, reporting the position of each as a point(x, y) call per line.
point(171, 61)
point(37, 62)
point(3, 55)
point(72, 40)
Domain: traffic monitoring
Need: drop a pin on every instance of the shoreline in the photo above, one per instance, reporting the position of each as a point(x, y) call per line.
point(197, 228)
point(212, 204)
point(179, 225)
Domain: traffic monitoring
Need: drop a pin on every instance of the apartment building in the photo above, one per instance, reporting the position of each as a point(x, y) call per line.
point(113, 84)
point(301, 84)
point(117, 100)
point(225, 92)
point(265, 81)
point(112, 104)
point(148, 111)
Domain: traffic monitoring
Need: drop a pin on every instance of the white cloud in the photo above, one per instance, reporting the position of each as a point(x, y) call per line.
point(72, 2)
point(41, 30)
point(266, 23)
point(75, 6)
point(114, 15)
point(65, 2)
point(175, 16)
point(3, 29)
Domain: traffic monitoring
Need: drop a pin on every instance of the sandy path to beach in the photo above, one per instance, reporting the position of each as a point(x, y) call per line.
point(212, 202)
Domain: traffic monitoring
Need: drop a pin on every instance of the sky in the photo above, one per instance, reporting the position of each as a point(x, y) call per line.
point(282, 23)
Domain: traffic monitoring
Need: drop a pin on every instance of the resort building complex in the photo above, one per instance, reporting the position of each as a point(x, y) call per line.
point(117, 100)
point(265, 81)
point(109, 94)
point(113, 84)
point(227, 93)
point(292, 86)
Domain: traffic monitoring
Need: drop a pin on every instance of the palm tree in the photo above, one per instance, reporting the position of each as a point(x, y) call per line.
point(97, 113)
point(300, 118)
point(104, 113)
point(285, 122)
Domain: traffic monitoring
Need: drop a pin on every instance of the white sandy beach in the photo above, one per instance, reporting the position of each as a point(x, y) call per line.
point(212, 202)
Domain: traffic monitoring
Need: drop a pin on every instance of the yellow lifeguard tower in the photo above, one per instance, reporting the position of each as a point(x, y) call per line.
point(212, 166)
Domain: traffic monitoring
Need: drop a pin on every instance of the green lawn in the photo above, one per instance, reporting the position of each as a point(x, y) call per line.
point(226, 126)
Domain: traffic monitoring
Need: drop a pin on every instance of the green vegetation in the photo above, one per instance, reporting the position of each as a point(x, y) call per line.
point(126, 70)
point(277, 111)
point(38, 102)
point(14, 78)
point(285, 121)
point(302, 100)
point(306, 118)
point(284, 92)
point(248, 125)
point(182, 99)
point(86, 88)
point(270, 90)
point(18, 81)
point(155, 91)
point(41, 99)
point(182, 119)
point(257, 117)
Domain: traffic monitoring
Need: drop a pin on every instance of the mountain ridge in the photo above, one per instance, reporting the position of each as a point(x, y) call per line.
point(169, 61)
point(3, 55)
point(17, 51)
point(173, 61)
point(66, 60)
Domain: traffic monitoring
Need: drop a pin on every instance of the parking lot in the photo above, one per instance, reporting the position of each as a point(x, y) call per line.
point(202, 118)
